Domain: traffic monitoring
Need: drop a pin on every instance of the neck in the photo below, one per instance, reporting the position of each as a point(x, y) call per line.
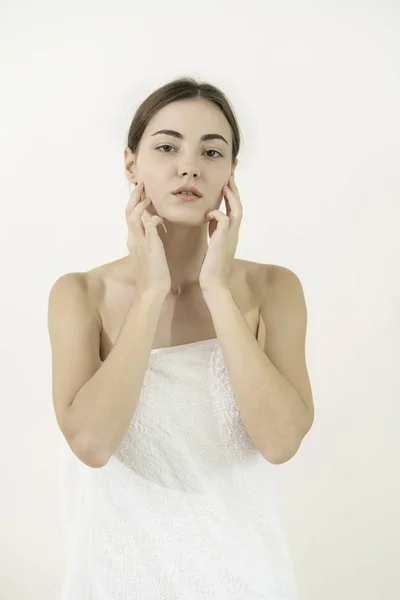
point(185, 249)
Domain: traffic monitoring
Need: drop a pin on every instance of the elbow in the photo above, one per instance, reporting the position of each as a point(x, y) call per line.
point(279, 460)
point(90, 457)
point(290, 449)
point(95, 461)
point(283, 455)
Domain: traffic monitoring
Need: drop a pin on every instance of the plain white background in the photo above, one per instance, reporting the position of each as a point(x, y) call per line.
point(316, 89)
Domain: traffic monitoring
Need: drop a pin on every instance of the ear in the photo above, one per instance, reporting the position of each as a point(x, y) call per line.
point(130, 164)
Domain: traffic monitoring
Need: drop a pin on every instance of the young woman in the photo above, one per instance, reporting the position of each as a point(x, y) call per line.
point(179, 379)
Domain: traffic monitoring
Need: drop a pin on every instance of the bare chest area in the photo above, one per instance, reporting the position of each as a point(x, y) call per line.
point(184, 319)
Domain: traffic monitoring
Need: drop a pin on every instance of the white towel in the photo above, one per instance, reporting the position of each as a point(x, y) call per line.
point(186, 508)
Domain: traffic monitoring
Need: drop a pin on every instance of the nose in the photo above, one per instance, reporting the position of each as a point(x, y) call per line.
point(189, 172)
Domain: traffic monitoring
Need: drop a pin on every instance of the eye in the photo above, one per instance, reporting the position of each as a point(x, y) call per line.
point(169, 146)
point(214, 151)
point(164, 146)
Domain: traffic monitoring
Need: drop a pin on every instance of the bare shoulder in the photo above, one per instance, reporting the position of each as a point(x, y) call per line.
point(88, 284)
point(85, 284)
point(282, 297)
point(262, 277)
point(76, 280)
point(99, 279)
point(115, 275)
point(261, 281)
point(275, 278)
point(271, 287)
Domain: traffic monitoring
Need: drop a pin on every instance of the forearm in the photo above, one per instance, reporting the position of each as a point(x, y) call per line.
point(105, 405)
point(272, 411)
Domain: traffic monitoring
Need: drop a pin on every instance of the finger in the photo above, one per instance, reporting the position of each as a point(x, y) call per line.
point(151, 225)
point(218, 216)
point(139, 209)
point(233, 202)
point(232, 184)
point(135, 218)
point(135, 197)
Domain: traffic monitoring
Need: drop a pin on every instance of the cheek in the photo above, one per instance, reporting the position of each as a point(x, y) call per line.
point(151, 187)
point(155, 183)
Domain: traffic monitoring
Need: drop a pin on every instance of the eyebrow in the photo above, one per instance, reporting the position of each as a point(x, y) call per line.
point(204, 138)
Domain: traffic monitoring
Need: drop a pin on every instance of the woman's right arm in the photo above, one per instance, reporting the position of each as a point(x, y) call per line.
point(95, 402)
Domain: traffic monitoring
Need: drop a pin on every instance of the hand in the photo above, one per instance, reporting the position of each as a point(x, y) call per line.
point(224, 236)
point(149, 263)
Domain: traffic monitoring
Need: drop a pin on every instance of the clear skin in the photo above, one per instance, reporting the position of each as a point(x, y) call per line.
point(164, 163)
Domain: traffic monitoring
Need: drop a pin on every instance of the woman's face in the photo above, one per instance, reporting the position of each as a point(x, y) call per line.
point(165, 162)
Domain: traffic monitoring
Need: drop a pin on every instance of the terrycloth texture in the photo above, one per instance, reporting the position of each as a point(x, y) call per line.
point(186, 508)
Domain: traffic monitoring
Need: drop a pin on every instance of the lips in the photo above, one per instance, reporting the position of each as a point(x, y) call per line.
point(188, 194)
point(187, 197)
point(191, 190)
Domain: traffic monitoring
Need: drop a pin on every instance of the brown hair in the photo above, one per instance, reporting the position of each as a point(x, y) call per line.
point(180, 89)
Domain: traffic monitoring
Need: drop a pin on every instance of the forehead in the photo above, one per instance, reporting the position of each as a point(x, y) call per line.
point(192, 118)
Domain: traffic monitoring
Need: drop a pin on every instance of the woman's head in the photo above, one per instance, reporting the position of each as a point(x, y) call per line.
point(165, 162)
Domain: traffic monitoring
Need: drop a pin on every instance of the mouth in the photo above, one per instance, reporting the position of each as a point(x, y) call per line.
point(186, 197)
